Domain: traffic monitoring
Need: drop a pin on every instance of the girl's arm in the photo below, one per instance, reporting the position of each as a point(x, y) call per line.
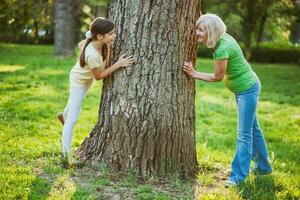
point(218, 75)
point(122, 62)
point(98, 74)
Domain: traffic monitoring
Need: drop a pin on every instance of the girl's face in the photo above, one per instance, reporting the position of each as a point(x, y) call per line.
point(202, 35)
point(109, 38)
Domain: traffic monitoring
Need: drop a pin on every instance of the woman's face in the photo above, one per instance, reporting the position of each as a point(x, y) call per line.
point(109, 38)
point(201, 34)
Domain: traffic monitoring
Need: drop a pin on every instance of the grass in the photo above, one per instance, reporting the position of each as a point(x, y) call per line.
point(34, 87)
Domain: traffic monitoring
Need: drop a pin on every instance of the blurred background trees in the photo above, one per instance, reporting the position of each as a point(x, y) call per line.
point(267, 30)
point(274, 24)
point(258, 20)
point(33, 21)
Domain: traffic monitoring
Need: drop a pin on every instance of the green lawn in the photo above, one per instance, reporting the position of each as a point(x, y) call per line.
point(34, 87)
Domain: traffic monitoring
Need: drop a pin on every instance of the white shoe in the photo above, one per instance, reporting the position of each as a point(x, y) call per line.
point(230, 183)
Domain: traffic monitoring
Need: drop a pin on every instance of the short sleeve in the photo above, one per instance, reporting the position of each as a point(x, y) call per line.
point(220, 54)
point(94, 62)
point(81, 44)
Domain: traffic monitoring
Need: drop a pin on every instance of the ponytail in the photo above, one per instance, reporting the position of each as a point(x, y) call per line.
point(82, 54)
point(104, 52)
point(108, 57)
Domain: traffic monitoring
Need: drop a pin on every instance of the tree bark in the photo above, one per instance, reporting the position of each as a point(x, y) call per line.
point(147, 111)
point(64, 39)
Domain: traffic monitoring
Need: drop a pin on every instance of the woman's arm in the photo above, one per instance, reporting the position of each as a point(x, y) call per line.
point(218, 75)
point(122, 62)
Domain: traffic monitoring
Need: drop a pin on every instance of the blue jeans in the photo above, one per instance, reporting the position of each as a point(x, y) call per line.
point(250, 142)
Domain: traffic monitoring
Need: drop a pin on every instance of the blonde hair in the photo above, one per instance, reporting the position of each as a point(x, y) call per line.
point(213, 26)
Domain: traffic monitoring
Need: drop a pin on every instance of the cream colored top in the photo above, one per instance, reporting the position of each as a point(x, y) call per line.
point(93, 60)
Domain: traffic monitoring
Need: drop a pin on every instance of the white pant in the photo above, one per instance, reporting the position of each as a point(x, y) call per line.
point(71, 112)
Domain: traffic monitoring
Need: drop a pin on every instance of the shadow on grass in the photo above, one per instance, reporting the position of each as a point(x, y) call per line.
point(261, 187)
point(40, 188)
point(280, 82)
point(216, 129)
point(29, 96)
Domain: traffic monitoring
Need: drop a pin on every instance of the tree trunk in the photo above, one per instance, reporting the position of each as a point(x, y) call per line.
point(295, 26)
point(64, 28)
point(36, 31)
point(147, 111)
point(249, 24)
point(261, 28)
point(262, 16)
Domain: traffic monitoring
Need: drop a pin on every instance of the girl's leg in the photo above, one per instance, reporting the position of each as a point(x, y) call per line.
point(73, 109)
point(260, 152)
point(247, 103)
point(65, 113)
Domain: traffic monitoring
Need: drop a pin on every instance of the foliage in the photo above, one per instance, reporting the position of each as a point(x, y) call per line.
point(22, 20)
point(32, 21)
point(274, 53)
point(27, 21)
point(34, 87)
point(255, 21)
point(265, 53)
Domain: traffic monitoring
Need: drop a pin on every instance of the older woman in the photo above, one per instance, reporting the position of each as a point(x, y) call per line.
point(240, 79)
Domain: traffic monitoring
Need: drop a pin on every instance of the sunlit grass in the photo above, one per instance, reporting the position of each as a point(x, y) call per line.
point(278, 114)
point(63, 188)
point(10, 68)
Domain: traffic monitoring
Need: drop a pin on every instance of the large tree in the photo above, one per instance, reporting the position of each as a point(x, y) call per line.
point(147, 113)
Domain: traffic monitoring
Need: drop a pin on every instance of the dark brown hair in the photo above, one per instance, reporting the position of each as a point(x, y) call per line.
point(100, 26)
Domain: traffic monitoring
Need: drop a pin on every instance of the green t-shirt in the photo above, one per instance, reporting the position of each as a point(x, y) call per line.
point(239, 75)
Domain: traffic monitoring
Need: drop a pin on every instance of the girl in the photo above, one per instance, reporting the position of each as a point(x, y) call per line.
point(93, 59)
point(239, 78)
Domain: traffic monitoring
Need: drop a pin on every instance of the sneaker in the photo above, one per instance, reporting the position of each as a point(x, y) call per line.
point(229, 184)
point(60, 117)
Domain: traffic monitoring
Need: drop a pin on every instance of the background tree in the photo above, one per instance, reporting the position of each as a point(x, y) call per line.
point(65, 23)
point(147, 113)
point(295, 27)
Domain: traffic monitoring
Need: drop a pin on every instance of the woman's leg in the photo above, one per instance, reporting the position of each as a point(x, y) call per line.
point(260, 152)
point(247, 103)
